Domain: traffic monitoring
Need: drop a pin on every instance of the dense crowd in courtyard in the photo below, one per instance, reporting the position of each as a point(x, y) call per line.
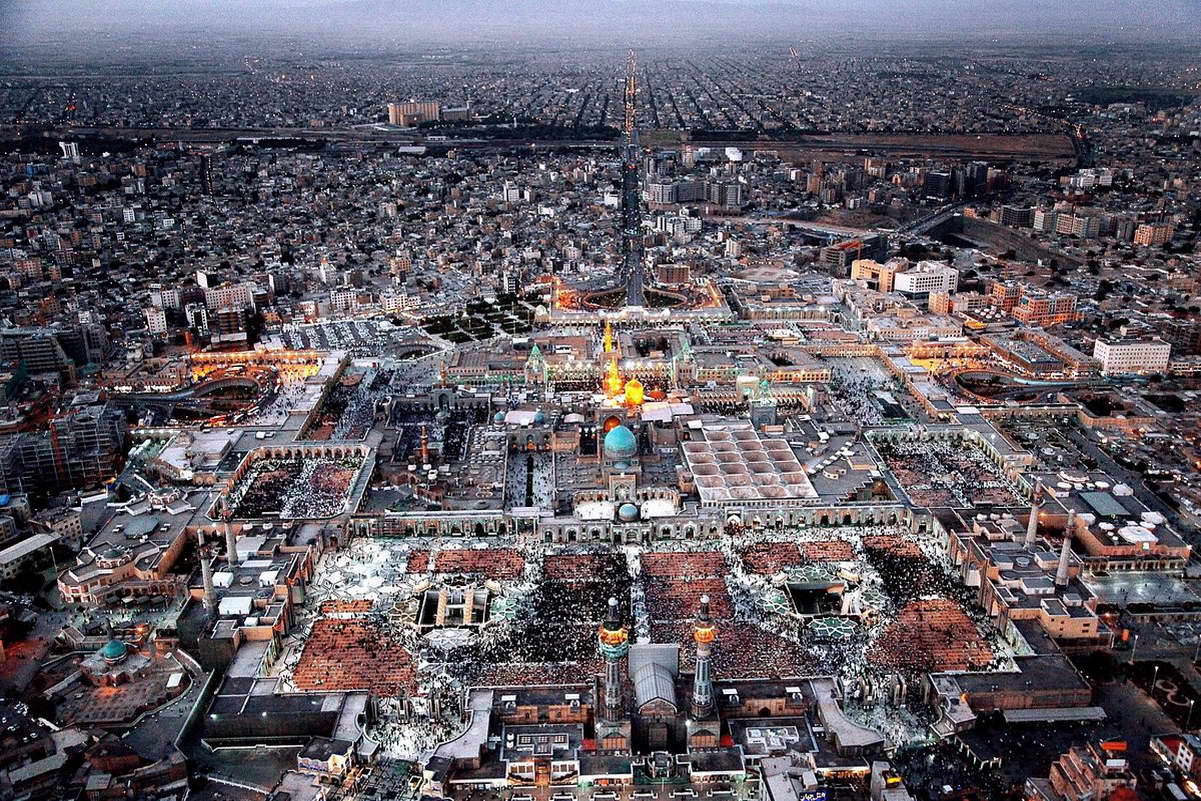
point(937, 473)
point(294, 488)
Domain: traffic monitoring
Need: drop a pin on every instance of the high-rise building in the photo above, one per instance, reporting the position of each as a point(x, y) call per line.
point(875, 275)
point(921, 279)
point(198, 317)
point(229, 324)
point(839, 256)
point(38, 350)
point(1132, 356)
point(164, 297)
point(1005, 294)
point(1045, 220)
point(1085, 226)
point(80, 448)
point(726, 194)
point(70, 151)
point(1017, 216)
point(938, 185)
point(674, 273)
point(414, 112)
point(1124, 228)
point(230, 296)
point(1184, 335)
point(342, 299)
point(1044, 309)
point(662, 194)
point(1152, 234)
point(156, 320)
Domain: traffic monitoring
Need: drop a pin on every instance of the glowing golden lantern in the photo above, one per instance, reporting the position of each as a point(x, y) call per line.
point(613, 638)
point(634, 392)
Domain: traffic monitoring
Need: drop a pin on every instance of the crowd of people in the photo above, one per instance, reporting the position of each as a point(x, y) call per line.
point(274, 410)
point(918, 619)
point(937, 473)
point(852, 394)
point(358, 413)
point(933, 634)
point(493, 563)
point(529, 480)
point(295, 488)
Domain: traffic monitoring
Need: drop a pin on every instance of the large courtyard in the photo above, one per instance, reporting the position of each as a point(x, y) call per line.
point(947, 473)
point(295, 488)
point(869, 605)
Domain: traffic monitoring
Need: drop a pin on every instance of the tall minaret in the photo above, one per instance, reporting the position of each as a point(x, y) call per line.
point(1061, 574)
point(614, 641)
point(206, 572)
point(1032, 523)
point(702, 682)
point(231, 540)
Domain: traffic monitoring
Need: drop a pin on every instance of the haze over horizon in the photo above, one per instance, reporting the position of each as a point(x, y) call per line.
point(32, 22)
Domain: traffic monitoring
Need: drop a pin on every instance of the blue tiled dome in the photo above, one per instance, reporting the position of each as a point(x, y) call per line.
point(620, 443)
point(628, 513)
point(114, 650)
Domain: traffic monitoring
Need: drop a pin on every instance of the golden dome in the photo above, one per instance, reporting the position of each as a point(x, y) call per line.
point(634, 393)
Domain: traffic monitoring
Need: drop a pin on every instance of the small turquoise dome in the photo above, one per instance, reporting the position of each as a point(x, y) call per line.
point(620, 443)
point(114, 650)
point(539, 417)
point(628, 513)
point(498, 418)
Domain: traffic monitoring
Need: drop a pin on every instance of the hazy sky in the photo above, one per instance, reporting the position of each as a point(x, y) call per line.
point(25, 21)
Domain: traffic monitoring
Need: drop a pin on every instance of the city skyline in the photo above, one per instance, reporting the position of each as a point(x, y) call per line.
point(600, 401)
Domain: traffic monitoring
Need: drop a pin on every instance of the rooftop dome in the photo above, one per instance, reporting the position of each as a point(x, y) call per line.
point(539, 417)
point(112, 554)
point(499, 417)
point(620, 443)
point(114, 650)
point(627, 513)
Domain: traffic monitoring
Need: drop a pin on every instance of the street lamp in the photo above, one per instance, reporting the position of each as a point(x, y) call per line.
point(1134, 649)
point(1188, 720)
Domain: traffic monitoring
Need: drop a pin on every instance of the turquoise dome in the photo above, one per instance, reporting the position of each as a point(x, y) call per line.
point(539, 417)
point(620, 443)
point(628, 513)
point(499, 417)
point(114, 650)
